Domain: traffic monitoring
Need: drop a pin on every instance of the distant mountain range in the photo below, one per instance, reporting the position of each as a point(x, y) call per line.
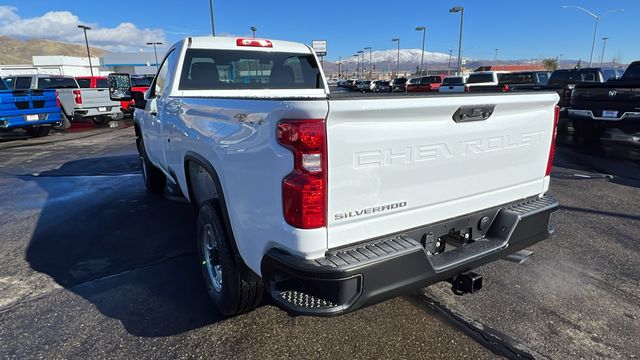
point(19, 52)
point(385, 60)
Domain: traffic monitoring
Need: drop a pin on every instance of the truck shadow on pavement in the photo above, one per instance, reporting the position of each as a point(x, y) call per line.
point(132, 255)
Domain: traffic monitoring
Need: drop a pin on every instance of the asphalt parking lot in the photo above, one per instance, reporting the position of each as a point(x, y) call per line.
point(93, 266)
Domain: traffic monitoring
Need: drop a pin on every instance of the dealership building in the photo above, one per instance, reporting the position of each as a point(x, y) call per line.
point(132, 63)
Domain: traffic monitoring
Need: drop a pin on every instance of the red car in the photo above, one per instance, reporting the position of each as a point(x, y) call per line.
point(92, 82)
point(140, 83)
point(425, 83)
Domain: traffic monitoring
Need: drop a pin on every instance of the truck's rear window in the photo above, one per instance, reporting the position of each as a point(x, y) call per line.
point(57, 83)
point(84, 83)
point(516, 78)
point(206, 69)
point(480, 78)
point(453, 81)
point(3, 86)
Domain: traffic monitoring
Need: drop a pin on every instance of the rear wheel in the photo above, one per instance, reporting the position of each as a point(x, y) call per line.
point(38, 131)
point(230, 287)
point(65, 123)
point(117, 116)
point(99, 120)
point(154, 179)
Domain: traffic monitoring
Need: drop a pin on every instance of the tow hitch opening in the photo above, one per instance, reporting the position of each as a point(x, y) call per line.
point(466, 283)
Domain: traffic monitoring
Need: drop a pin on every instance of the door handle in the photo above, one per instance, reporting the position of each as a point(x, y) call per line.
point(473, 113)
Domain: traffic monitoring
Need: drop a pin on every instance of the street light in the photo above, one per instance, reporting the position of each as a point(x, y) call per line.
point(597, 18)
point(398, 59)
point(86, 41)
point(495, 59)
point(155, 51)
point(369, 48)
point(453, 10)
point(360, 53)
point(424, 34)
point(213, 30)
point(604, 45)
point(253, 30)
point(449, 68)
point(358, 65)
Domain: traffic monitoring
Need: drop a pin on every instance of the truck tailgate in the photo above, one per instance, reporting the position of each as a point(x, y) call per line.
point(400, 162)
point(92, 98)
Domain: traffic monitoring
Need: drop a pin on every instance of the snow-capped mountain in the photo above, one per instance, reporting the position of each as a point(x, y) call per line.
point(407, 57)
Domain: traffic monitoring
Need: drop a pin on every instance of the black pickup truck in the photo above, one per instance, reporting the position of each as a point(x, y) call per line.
point(613, 104)
point(563, 81)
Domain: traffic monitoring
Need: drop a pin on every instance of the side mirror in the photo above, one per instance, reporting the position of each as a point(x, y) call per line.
point(139, 100)
point(119, 87)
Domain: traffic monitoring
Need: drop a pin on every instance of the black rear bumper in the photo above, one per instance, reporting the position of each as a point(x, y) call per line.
point(350, 278)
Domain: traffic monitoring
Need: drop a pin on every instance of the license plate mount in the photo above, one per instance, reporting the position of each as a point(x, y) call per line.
point(102, 109)
point(32, 117)
point(610, 113)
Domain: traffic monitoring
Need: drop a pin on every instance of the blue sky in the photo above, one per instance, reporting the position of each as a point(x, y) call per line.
point(520, 29)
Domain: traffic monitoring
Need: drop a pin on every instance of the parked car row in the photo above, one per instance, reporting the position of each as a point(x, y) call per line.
point(79, 98)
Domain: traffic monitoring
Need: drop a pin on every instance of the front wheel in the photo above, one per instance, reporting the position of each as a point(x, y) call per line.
point(232, 290)
point(154, 179)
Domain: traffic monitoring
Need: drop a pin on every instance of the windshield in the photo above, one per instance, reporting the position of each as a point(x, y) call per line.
point(399, 81)
point(414, 81)
point(144, 81)
point(57, 83)
point(432, 80)
point(480, 78)
point(561, 77)
point(206, 69)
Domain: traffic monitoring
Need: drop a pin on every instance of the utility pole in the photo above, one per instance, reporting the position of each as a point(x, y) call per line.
point(604, 45)
point(369, 48)
point(453, 10)
point(213, 30)
point(155, 51)
point(358, 64)
point(86, 41)
point(424, 34)
point(398, 58)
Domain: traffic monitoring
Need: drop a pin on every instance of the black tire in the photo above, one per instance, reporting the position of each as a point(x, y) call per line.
point(39, 131)
point(100, 120)
point(236, 293)
point(65, 123)
point(154, 179)
point(117, 116)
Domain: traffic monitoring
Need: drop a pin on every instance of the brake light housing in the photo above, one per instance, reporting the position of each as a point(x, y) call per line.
point(304, 190)
point(254, 42)
point(77, 97)
point(554, 134)
point(58, 99)
point(505, 88)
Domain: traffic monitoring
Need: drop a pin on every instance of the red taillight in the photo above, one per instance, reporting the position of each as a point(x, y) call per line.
point(254, 42)
point(554, 133)
point(77, 96)
point(304, 190)
point(58, 99)
point(567, 94)
point(505, 88)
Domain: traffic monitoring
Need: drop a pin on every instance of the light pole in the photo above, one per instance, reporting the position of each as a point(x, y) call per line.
point(453, 10)
point(597, 18)
point(495, 59)
point(424, 34)
point(369, 48)
point(361, 53)
point(339, 66)
point(358, 65)
point(86, 41)
point(449, 67)
point(213, 30)
point(155, 51)
point(604, 45)
point(253, 30)
point(398, 58)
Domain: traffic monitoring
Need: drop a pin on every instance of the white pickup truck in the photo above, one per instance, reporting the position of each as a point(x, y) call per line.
point(332, 202)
